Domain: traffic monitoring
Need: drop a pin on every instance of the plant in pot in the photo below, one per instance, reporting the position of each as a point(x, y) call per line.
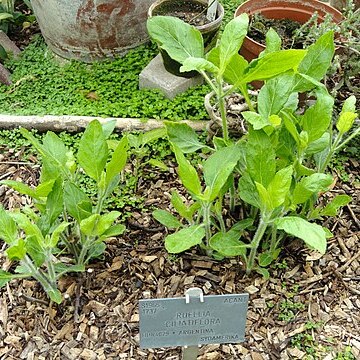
point(197, 13)
point(287, 14)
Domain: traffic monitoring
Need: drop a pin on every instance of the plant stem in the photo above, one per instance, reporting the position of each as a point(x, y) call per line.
point(222, 109)
point(256, 242)
point(207, 223)
point(353, 135)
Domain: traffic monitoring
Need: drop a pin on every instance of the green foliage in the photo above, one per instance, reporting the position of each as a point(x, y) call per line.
point(277, 170)
point(65, 218)
point(9, 16)
point(289, 309)
point(110, 88)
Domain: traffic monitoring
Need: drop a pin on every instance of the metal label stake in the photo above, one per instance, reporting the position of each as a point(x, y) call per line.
point(212, 9)
point(192, 352)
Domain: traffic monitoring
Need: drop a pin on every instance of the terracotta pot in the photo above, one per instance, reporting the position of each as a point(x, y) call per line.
point(208, 31)
point(300, 11)
point(91, 30)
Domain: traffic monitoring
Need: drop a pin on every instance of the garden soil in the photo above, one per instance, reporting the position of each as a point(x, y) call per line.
point(309, 301)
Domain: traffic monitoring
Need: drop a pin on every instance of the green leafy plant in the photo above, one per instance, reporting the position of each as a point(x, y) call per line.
point(276, 172)
point(8, 15)
point(64, 219)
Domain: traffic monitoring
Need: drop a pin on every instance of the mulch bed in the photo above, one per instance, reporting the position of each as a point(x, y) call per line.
point(306, 297)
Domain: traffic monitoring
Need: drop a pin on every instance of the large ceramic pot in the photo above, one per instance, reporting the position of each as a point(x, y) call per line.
point(91, 30)
point(209, 31)
point(300, 11)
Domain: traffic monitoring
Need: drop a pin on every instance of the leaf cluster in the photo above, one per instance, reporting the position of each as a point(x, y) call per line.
point(64, 219)
point(276, 172)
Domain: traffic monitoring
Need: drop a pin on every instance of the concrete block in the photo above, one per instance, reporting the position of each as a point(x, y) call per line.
point(155, 76)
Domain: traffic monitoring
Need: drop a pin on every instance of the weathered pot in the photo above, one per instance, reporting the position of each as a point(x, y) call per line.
point(300, 11)
point(208, 31)
point(90, 30)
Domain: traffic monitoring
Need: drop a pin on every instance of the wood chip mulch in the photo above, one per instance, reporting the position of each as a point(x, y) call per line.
point(309, 307)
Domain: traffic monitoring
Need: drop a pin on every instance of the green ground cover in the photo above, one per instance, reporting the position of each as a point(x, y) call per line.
point(42, 86)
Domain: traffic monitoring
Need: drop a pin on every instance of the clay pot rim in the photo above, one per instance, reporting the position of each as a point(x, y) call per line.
point(285, 4)
point(214, 23)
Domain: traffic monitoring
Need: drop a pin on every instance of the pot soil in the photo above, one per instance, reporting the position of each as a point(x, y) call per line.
point(286, 28)
point(294, 10)
point(192, 12)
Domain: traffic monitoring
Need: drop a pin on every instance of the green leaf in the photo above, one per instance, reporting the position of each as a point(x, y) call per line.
point(5, 277)
point(17, 250)
point(62, 269)
point(264, 196)
point(317, 60)
point(93, 150)
point(8, 228)
point(183, 136)
point(256, 120)
point(184, 239)
point(260, 157)
point(198, 64)
point(29, 228)
point(312, 234)
point(96, 250)
point(55, 158)
point(35, 249)
point(279, 187)
point(108, 127)
point(105, 221)
point(274, 95)
point(179, 39)
point(273, 64)
point(166, 219)
point(55, 236)
point(317, 118)
point(187, 173)
point(273, 41)
point(332, 208)
point(54, 295)
point(76, 202)
point(349, 104)
point(88, 225)
point(20, 187)
point(43, 189)
point(232, 38)
point(112, 231)
point(235, 69)
point(263, 272)
point(309, 186)
point(179, 206)
point(97, 225)
point(265, 259)
point(218, 167)
point(248, 191)
point(5, 16)
point(55, 202)
point(319, 144)
point(346, 121)
point(228, 244)
point(240, 227)
point(158, 164)
point(117, 161)
point(152, 135)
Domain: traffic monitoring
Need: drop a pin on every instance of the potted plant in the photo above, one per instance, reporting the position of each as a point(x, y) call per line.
point(193, 12)
point(293, 10)
point(90, 30)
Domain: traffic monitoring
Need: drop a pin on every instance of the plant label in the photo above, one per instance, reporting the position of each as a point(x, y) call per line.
point(213, 319)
